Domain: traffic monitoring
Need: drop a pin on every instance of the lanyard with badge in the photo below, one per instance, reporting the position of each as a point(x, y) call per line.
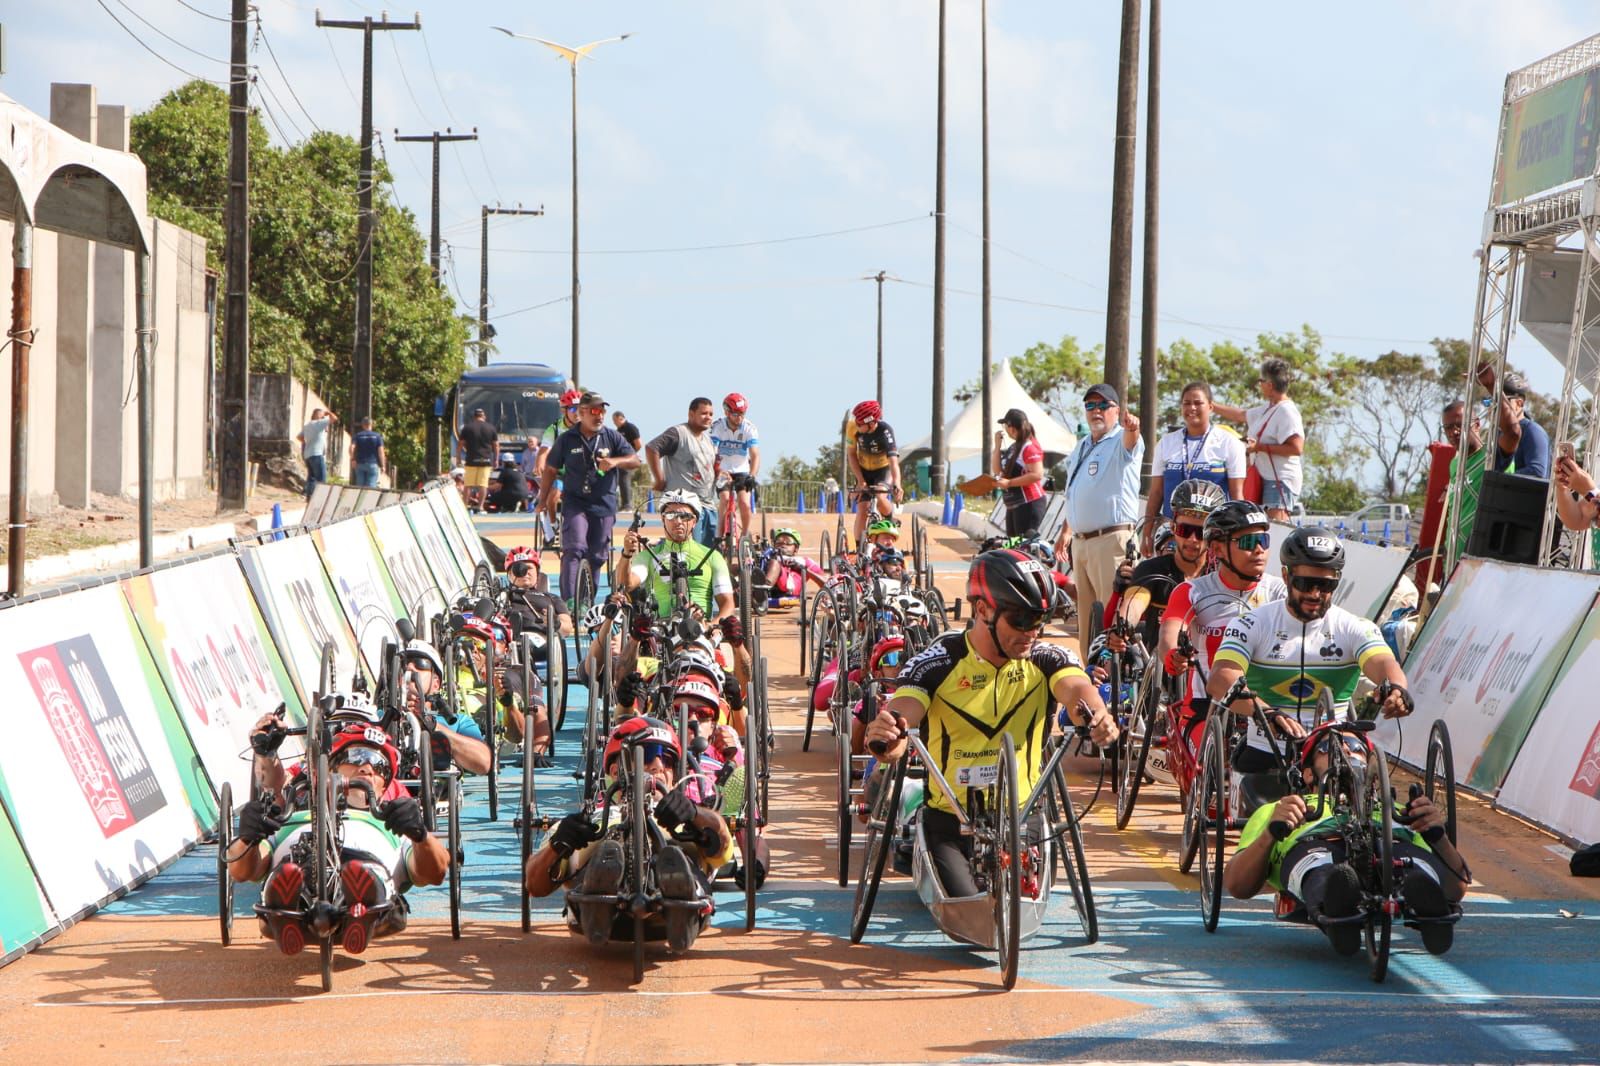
point(1083, 456)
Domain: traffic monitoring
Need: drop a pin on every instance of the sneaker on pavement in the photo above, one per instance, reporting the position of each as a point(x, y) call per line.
point(602, 876)
point(283, 888)
point(1425, 898)
point(1342, 900)
point(359, 884)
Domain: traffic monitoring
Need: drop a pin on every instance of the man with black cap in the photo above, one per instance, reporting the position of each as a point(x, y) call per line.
point(586, 457)
point(1102, 498)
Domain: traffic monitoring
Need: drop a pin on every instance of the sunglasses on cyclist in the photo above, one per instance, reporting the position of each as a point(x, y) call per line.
point(573, 408)
point(522, 568)
point(654, 750)
point(1026, 621)
point(679, 516)
point(1185, 531)
point(890, 659)
point(1253, 541)
point(1314, 584)
point(358, 756)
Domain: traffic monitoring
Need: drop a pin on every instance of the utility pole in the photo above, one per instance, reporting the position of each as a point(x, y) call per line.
point(988, 322)
point(233, 469)
point(361, 383)
point(1152, 230)
point(436, 138)
point(1119, 284)
point(878, 277)
point(486, 331)
point(937, 464)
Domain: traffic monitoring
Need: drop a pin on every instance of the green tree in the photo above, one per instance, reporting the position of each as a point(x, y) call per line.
point(1394, 415)
point(303, 221)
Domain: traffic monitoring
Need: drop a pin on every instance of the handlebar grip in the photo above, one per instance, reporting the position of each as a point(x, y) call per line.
point(1279, 830)
point(880, 748)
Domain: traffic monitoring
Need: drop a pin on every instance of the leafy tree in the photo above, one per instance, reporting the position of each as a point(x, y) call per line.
point(303, 221)
point(1393, 417)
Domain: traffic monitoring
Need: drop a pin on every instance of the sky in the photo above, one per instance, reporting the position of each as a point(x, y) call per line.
point(1320, 164)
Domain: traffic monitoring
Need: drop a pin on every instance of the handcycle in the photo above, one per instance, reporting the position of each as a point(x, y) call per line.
point(1017, 870)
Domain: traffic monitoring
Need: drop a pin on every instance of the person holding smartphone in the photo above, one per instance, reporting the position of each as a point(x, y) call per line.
point(1577, 502)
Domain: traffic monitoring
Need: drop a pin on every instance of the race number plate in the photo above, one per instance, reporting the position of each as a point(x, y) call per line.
point(978, 776)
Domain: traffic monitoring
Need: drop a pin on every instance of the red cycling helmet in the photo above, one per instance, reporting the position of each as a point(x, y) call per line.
point(522, 553)
point(736, 401)
point(1314, 738)
point(473, 626)
point(366, 736)
point(698, 688)
point(641, 730)
point(1009, 580)
point(895, 646)
point(570, 398)
point(867, 409)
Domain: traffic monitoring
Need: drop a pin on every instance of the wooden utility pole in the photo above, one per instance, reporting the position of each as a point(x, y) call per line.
point(1152, 232)
point(988, 321)
point(878, 277)
point(1119, 283)
point(361, 381)
point(937, 463)
point(233, 466)
point(436, 138)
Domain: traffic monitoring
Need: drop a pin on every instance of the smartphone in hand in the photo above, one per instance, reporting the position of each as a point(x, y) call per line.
point(1566, 450)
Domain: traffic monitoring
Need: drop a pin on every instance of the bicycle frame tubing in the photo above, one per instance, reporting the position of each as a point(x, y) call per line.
point(1024, 812)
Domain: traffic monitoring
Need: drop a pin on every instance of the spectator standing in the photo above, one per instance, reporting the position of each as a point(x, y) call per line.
point(313, 438)
point(480, 442)
point(588, 457)
point(1019, 472)
point(368, 457)
point(1198, 451)
point(630, 433)
point(1102, 499)
point(1522, 446)
point(1453, 421)
point(1275, 439)
point(684, 458)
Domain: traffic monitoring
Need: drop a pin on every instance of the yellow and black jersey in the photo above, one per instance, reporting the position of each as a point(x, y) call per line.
point(971, 703)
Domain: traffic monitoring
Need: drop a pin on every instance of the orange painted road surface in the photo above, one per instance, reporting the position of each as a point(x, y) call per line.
point(147, 980)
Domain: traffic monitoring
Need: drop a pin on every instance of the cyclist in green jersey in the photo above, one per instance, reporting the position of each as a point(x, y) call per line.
point(710, 585)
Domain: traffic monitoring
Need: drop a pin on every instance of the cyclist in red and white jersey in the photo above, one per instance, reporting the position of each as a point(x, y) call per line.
point(1238, 535)
point(738, 455)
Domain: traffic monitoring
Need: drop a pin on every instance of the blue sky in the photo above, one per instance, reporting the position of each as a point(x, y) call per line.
point(1322, 164)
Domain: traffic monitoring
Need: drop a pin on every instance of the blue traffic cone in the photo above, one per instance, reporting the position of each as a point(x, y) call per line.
point(947, 514)
point(277, 518)
point(960, 501)
point(1363, 529)
point(800, 503)
point(650, 502)
point(1386, 529)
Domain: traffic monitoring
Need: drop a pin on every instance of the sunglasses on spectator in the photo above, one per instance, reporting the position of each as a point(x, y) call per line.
point(1253, 541)
point(596, 410)
point(1186, 531)
point(521, 568)
point(1026, 621)
point(1097, 405)
point(355, 756)
point(1314, 584)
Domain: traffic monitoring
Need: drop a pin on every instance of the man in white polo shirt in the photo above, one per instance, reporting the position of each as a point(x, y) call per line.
point(1102, 499)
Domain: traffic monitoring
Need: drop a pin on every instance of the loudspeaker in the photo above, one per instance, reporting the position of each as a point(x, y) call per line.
point(1509, 519)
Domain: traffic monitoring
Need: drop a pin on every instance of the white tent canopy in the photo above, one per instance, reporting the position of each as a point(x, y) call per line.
point(963, 435)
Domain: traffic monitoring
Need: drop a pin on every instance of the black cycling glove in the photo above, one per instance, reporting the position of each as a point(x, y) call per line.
point(732, 631)
point(732, 692)
point(257, 822)
point(573, 832)
point(675, 809)
point(628, 688)
point(404, 818)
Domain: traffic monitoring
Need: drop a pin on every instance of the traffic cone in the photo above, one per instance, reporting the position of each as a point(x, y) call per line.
point(959, 503)
point(1386, 529)
point(650, 502)
point(800, 503)
point(946, 516)
point(277, 518)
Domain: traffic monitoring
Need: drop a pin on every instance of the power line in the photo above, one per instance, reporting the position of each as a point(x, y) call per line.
point(204, 14)
point(534, 307)
point(340, 67)
point(1025, 257)
point(433, 71)
point(168, 36)
point(719, 247)
point(261, 33)
point(299, 135)
point(191, 75)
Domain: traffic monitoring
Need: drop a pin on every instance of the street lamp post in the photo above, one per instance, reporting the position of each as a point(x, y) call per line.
point(571, 55)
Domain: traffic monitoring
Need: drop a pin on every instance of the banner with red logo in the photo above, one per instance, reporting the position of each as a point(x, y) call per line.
point(408, 569)
point(1556, 778)
point(301, 610)
point(96, 772)
point(1485, 661)
point(216, 657)
point(361, 582)
point(445, 564)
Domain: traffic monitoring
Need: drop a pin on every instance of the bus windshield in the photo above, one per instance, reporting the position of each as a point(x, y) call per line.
point(518, 412)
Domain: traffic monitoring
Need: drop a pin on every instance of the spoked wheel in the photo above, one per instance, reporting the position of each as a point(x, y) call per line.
point(1005, 883)
point(1379, 921)
point(752, 819)
point(456, 857)
point(225, 879)
point(880, 839)
point(745, 557)
point(493, 733)
point(555, 677)
point(938, 617)
point(1211, 822)
point(430, 809)
point(323, 860)
point(843, 812)
point(638, 859)
point(824, 637)
point(1439, 777)
point(825, 552)
point(529, 807)
point(765, 740)
point(805, 634)
point(1141, 734)
point(1064, 817)
point(583, 593)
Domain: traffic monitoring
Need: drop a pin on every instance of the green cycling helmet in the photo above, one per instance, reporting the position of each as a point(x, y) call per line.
point(882, 525)
point(785, 531)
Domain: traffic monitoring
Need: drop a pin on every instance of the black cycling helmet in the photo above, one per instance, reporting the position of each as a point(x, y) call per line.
point(1234, 517)
point(1197, 495)
point(1312, 546)
point(1010, 580)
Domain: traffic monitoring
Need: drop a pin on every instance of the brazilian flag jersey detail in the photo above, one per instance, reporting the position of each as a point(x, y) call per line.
point(1288, 662)
point(361, 835)
point(971, 704)
point(708, 574)
point(1318, 823)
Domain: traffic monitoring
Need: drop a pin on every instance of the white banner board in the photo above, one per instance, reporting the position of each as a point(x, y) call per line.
point(457, 510)
point(442, 560)
point(301, 609)
point(1485, 660)
point(88, 770)
point(361, 582)
point(408, 569)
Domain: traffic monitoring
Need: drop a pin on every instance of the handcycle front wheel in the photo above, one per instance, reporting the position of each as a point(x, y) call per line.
point(1005, 883)
point(1439, 776)
point(1211, 820)
point(1141, 734)
point(1064, 816)
point(224, 878)
point(456, 858)
point(638, 858)
point(880, 839)
point(1379, 924)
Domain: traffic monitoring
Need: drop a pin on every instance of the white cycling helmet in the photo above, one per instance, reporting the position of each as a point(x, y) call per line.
point(913, 608)
point(353, 707)
point(594, 617)
point(683, 498)
point(420, 651)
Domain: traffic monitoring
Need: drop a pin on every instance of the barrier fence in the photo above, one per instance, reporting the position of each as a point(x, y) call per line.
point(134, 697)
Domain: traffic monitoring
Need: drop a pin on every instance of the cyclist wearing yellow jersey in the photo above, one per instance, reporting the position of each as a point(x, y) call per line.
point(874, 459)
point(966, 690)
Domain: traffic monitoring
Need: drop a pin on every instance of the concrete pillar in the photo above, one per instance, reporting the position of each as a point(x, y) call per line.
point(73, 108)
point(111, 346)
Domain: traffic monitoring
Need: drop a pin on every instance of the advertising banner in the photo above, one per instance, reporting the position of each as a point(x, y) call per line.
point(408, 570)
point(453, 537)
point(1555, 779)
point(216, 658)
point(1485, 660)
point(94, 765)
point(1369, 572)
point(344, 506)
point(24, 914)
point(444, 563)
point(469, 532)
point(1549, 137)
point(321, 503)
point(362, 584)
point(301, 610)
